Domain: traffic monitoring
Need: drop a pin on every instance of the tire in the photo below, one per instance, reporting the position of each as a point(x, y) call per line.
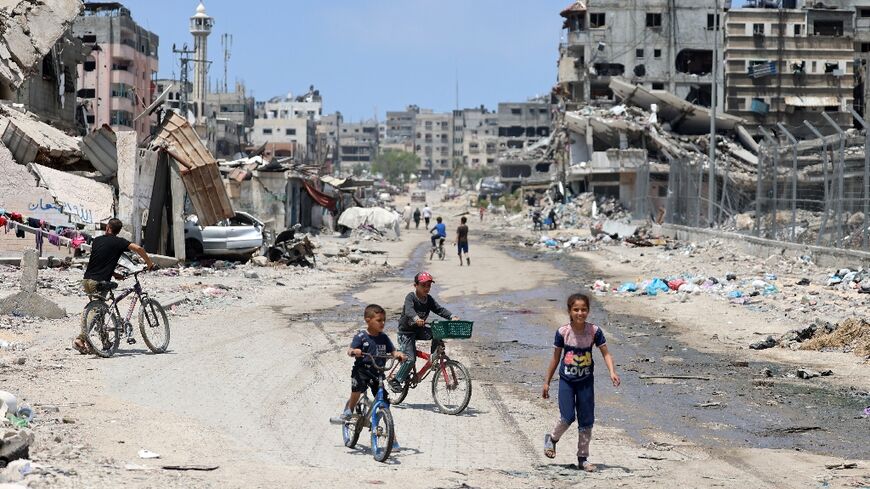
point(453, 398)
point(102, 338)
point(383, 434)
point(154, 325)
point(351, 431)
point(441, 253)
point(192, 249)
point(398, 397)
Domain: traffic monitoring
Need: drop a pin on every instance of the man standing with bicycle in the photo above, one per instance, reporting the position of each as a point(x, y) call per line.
point(412, 324)
point(106, 250)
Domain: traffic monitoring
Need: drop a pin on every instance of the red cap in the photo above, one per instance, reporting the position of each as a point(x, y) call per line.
point(423, 277)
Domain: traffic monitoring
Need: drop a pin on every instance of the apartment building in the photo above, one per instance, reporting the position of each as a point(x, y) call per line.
point(358, 143)
point(475, 136)
point(307, 106)
point(229, 121)
point(433, 142)
point(521, 124)
point(661, 44)
point(789, 65)
point(401, 125)
point(115, 80)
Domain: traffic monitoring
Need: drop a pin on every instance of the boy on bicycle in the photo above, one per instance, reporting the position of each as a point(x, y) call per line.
point(418, 305)
point(439, 231)
point(364, 375)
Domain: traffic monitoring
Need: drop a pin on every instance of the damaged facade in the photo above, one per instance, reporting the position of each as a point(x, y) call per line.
point(115, 80)
point(661, 44)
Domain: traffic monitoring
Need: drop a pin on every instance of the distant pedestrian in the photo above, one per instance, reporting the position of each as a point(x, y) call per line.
point(462, 241)
point(406, 215)
point(572, 354)
point(427, 214)
point(536, 220)
point(552, 217)
point(481, 210)
point(417, 218)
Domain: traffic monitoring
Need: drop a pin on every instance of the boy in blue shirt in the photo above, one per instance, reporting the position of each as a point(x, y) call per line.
point(364, 375)
point(438, 232)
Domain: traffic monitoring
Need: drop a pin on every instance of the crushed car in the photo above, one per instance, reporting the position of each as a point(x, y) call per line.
point(237, 237)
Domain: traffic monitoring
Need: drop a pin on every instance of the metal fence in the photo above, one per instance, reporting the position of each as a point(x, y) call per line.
point(810, 192)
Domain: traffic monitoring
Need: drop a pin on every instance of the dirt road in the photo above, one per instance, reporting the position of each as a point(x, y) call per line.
point(249, 389)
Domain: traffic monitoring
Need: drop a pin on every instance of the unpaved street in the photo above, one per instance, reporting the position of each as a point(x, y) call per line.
point(249, 385)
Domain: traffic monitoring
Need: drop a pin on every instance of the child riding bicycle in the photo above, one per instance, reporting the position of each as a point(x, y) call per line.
point(418, 305)
point(439, 231)
point(364, 375)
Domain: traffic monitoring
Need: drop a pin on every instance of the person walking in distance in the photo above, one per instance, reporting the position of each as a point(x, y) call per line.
point(417, 218)
point(462, 241)
point(427, 214)
point(572, 354)
point(552, 217)
point(406, 215)
point(481, 211)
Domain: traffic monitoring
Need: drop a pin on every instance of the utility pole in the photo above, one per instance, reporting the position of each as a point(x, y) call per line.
point(185, 60)
point(714, 88)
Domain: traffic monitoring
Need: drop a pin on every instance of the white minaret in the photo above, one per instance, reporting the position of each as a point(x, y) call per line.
point(200, 27)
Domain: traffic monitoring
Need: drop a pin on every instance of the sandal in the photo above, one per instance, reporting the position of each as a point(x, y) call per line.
point(585, 465)
point(549, 446)
point(80, 346)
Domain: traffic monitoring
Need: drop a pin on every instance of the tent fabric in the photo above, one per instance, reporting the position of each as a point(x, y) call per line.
point(378, 217)
point(320, 197)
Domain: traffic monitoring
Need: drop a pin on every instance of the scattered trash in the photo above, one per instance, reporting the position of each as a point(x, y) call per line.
point(805, 373)
point(204, 468)
point(764, 344)
point(146, 454)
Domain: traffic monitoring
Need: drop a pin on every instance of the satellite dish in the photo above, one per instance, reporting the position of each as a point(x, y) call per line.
point(156, 103)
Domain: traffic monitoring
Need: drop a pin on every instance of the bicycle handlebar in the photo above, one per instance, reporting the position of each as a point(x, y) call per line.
point(386, 366)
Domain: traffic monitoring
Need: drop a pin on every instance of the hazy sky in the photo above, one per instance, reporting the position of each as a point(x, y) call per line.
point(373, 55)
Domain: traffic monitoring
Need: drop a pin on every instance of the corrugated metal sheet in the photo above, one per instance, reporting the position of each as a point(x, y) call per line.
point(199, 170)
point(99, 147)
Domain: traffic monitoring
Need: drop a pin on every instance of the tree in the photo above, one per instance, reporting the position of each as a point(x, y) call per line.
point(396, 166)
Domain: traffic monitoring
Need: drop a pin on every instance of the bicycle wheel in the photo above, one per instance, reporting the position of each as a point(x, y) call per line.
point(398, 397)
point(383, 435)
point(154, 325)
point(351, 430)
point(101, 329)
point(451, 387)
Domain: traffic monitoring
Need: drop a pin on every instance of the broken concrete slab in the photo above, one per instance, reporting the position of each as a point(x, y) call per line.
point(15, 444)
point(84, 200)
point(621, 230)
point(30, 140)
point(28, 302)
point(30, 29)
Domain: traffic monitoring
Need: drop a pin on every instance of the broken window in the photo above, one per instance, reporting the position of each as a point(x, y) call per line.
point(543, 131)
point(290, 132)
point(267, 131)
point(69, 83)
point(658, 86)
point(712, 21)
point(596, 20)
point(797, 30)
point(758, 30)
point(833, 28)
point(609, 69)
point(543, 167)
point(865, 47)
point(49, 71)
point(121, 118)
point(89, 38)
point(695, 61)
point(654, 20)
point(90, 64)
point(799, 68)
point(640, 70)
point(831, 67)
point(530, 132)
point(638, 53)
point(87, 93)
point(657, 53)
point(516, 111)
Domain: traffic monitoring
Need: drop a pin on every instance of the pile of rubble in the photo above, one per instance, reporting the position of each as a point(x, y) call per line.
point(852, 335)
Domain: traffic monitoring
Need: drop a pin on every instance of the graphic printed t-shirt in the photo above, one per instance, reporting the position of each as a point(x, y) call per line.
point(374, 345)
point(462, 234)
point(577, 364)
point(105, 252)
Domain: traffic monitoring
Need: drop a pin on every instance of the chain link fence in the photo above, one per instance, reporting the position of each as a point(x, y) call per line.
point(814, 192)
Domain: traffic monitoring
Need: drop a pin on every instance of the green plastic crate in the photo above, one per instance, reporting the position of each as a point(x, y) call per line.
point(442, 330)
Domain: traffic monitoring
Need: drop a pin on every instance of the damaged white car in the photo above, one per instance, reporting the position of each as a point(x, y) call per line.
point(239, 237)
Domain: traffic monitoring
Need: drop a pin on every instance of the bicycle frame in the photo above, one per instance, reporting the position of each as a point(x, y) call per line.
point(420, 375)
point(140, 295)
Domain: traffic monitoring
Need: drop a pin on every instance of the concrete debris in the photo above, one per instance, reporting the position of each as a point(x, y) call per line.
point(30, 29)
point(15, 444)
point(764, 344)
point(86, 201)
point(28, 302)
point(30, 140)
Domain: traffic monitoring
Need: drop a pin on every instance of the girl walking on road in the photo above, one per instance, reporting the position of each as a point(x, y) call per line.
point(572, 354)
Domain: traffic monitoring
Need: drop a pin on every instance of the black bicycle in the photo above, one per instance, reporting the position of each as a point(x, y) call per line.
point(103, 325)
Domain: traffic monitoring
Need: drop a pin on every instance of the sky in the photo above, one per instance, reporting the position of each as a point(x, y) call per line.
point(370, 56)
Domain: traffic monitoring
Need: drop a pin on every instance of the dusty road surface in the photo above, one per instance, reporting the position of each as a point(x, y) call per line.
point(249, 385)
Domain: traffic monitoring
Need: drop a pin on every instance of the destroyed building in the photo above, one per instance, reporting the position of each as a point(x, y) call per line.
point(288, 125)
point(433, 142)
point(358, 144)
point(229, 121)
point(114, 82)
point(789, 65)
point(661, 44)
point(475, 136)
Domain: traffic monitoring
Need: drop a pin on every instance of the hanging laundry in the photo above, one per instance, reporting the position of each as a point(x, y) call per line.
point(54, 239)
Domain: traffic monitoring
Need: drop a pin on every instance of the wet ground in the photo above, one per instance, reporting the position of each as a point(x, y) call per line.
point(731, 403)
